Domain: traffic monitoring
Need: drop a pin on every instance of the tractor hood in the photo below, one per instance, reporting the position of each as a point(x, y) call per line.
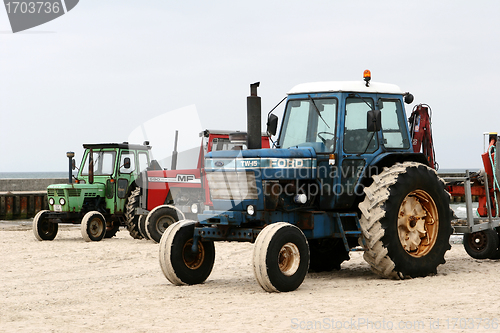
point(292, 163)
point(70, 197)
point(81, 187)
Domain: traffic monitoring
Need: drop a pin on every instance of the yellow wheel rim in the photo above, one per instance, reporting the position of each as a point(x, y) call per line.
point(193, 260)
point(418, 223)
point(289, 259)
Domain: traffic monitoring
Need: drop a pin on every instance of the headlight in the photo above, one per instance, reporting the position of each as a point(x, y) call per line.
point(62, 201)
point(51, 201)
point(250, 210)
point(300, 199)
point(194, 208)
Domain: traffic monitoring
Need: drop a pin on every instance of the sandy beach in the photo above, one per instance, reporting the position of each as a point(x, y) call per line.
point(116, 285)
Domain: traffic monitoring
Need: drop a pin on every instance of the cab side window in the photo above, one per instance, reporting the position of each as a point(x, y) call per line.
point(393, 124)
point(356, 137)
point(143, 161)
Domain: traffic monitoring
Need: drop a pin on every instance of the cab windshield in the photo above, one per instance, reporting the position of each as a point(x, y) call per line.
point(310, 122)
point(104, 163)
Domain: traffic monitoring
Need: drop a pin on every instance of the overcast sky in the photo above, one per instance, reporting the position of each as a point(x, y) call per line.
point(102, 70)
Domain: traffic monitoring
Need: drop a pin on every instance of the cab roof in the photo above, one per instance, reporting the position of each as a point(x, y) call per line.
point(207, 132)
point(345, 86)
point(123, 145)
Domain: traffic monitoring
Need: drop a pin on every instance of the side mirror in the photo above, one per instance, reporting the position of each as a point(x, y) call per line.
point(408, 98)
point(373, 121)
point(272, 124)
point(126, 163)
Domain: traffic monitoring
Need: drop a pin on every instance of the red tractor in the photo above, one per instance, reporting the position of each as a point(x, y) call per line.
point(168, 196)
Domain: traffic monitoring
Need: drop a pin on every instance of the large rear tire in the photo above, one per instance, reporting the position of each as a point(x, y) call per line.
point(142, 226)
point(482, 244)
point(177, 261)
point(406, 221)
point(280, 257)
point(132, 220)
point(93, 226)
point(42, 228)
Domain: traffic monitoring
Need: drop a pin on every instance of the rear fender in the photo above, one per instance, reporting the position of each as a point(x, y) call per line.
point(377, 166)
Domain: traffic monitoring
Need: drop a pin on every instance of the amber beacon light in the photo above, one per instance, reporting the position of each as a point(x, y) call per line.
point(367, 76)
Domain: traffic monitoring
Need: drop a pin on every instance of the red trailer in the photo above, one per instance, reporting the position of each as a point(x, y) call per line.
point(481, 234)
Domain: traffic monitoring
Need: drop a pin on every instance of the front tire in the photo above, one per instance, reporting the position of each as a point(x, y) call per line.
point(43, 228)
point(158, 220)
point(93, 227)
point(482, 244)
point(177, 261)
point(280, 257)
point(406, 221)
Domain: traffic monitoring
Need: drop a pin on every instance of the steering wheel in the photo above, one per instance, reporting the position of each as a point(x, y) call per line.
point(328, 142)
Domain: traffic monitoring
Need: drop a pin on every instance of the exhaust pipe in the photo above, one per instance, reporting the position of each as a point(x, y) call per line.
point(91, 166)
point(70, 156)
point(173, 165)
point(254, 136)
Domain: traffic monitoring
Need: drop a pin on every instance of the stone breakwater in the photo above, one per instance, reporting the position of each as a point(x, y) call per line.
point(23, 198)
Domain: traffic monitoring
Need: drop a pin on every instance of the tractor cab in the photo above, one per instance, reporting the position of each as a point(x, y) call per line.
point(348, 126)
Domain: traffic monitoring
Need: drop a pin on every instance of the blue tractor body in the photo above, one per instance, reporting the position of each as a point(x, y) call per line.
point(330, 172)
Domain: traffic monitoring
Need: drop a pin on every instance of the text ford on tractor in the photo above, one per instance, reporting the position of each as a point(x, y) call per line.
point(103, 195)
point(343, 173)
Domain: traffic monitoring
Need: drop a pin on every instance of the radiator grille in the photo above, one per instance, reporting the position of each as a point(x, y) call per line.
point(74, 192)
point(232, 185)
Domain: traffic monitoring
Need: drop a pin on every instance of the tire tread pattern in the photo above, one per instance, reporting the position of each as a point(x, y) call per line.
point(373, 210)
point(131, 220)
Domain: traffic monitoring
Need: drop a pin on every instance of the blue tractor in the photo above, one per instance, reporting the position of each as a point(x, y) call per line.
point(342, 177)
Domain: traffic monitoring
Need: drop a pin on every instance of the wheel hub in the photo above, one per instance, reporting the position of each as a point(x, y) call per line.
point(418, 223)
point(163, 223)
point(289, 259)
point(46, 227)
point(96, 227)
point(478, 240)
point(193, 260)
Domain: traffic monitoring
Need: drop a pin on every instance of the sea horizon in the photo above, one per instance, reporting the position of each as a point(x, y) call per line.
point(34, 175)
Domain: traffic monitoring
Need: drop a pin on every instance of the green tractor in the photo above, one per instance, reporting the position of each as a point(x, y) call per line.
point(104, 195)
